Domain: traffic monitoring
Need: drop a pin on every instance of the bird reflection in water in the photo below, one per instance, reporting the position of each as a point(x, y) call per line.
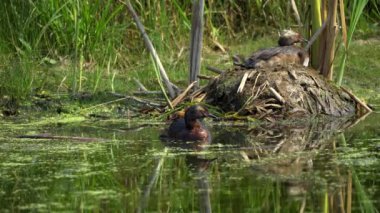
point(187, 132)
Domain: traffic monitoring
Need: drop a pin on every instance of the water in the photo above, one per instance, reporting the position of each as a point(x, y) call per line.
point(302, 167)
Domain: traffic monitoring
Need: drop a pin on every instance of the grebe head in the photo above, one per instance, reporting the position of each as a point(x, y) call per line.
point(289, 37)
point(197, 112)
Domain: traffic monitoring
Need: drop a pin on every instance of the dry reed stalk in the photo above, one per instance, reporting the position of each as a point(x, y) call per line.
point(147, 92)
point(296, 14)
point(214, 69)
point(277, 95)
point(331, 31)
point(322, 38)
point(141, 86)
point(316, 22)
point(196, 40)
point(361, 103)
point(182, 96)
point(242, 83)
point(205, 77)
point(343, 22)
point(151, 49)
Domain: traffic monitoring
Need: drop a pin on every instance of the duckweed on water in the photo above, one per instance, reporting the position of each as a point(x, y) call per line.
point(133, 170)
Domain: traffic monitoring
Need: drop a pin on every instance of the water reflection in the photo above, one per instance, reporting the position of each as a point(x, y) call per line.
point(197, 163)
point(312, 166)
point(151, 181)
point(200, 167)
point(290, 155)
point(295, 156)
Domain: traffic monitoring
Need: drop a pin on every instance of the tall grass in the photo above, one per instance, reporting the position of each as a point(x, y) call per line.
point(356, 12)
point(316, 23)
point(18, 78)
point(82, 30)
point(102, 34)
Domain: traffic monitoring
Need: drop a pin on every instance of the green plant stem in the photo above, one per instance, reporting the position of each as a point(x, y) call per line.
point(157, 72)
point(357, 10)
point(316, 24)
point(342, 65)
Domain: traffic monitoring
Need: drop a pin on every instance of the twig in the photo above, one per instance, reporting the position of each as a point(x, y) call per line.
point(361, 103)
point(277, 95)
point(296, 14)
point(219, 46)
point(180, 97)
point(278, 145)
point(292, 73)
point(199, 98)
point(242, 83)
point(124, 97)
point(151, 48)
point(102, 104)
point(147, 92)
point(358, 120)
point(253, 96)
point(214, 69)
point(316, 82)
point(273, 106)
point(176, 88)
point(141, 86)
point(142, 101)
point(308, 103)
point(205, 77)
point(117, 94)
point(199, 94)
point(245, 156)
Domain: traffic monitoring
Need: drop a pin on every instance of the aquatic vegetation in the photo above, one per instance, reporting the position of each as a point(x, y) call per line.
point(49, 49)
point(245, 168)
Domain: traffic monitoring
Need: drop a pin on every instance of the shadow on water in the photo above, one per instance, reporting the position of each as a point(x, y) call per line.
point(303, 166)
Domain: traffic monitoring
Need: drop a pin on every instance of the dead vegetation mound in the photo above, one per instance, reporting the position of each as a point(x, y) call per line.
point(279, 91)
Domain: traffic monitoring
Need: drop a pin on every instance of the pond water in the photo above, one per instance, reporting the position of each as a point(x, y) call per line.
point(302, 167)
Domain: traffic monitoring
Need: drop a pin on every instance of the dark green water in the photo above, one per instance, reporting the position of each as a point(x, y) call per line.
point(303, 167)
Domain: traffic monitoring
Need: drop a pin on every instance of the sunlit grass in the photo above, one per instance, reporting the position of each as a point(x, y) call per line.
point(356, 13)
point(94, 46)
point(362, 68)
point(102, 45)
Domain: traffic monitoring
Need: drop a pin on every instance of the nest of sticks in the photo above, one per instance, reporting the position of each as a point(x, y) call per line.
point(282, 91)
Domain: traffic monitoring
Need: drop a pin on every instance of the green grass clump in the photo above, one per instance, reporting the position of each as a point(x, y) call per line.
point(363, 68)
point(92, 45)
point(17, 78)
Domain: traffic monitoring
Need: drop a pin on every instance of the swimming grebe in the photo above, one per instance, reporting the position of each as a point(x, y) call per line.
point(190, 127)
point(285, 53)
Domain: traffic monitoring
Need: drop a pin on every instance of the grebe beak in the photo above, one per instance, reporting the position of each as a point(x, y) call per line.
point(212, 116)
